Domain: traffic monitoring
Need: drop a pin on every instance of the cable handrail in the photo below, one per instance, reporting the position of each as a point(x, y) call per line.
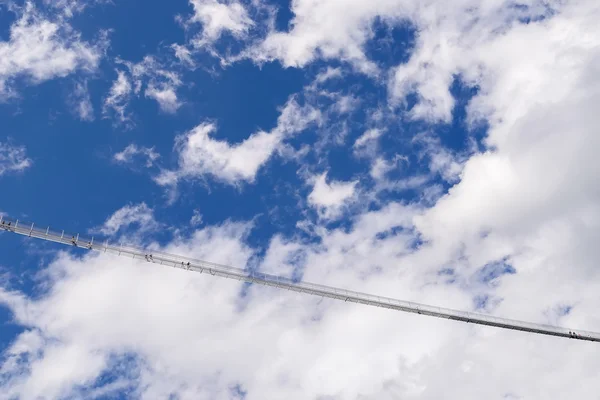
point(177, 261)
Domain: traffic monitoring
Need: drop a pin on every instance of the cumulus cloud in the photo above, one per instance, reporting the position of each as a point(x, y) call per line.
point(361, 350)
point(200, 154)
point(40, 49)
point(329, 198)
point(133, 152)
point(13, 158)
point(218, 17)
point(486, 46)
point(451, 44)
point(529, 200)
point(328, 29)
point(68, 343)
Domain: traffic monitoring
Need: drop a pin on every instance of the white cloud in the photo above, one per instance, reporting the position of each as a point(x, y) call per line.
point(532, 201)
point(131, 152)
point(39, 49)
point(160, 84)
point(196, 219)
point(329, 74)
point(217, 17)
point(442, 161)
point(183, 54)
point(68, 7)
point(294, 118)
point(393, 355)
point(368, 136)
point(367, 144)
point(456, 41)
point(139, 214)
point(118, 97)
point(166, 98)
point(200, 154)
point(486, 46)
point(13, 158)
point(380, 167)
point(326, 29)
point(330, 198)
point(81, 101)
point(71, 7)
point(67, 341)
point(345, 104)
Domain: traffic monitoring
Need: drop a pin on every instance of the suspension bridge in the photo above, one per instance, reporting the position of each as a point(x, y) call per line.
point(172, 260)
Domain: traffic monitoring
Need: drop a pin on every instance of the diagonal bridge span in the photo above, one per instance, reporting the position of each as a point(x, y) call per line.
point(177, 261)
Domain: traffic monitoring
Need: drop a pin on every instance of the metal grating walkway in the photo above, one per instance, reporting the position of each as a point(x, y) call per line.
point(224, 271)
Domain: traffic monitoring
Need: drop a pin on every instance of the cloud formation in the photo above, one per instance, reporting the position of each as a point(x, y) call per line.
point(218, 17)
point(201, 155)
point(118, 97)
point(40, 49)
point(524, 200)
point(139, 215)
point(148, 77)
point(81, 100)
point(329, 198)
point(133, 152)
point(13, 158)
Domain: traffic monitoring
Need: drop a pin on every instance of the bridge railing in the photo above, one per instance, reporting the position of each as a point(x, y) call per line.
point(100, 244)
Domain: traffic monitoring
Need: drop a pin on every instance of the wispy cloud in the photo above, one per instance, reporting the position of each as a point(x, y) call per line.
point(13, 158)
point(118, 98)
point(139, 215)
point(81, 101)
point(148, 77)
point(133, 152)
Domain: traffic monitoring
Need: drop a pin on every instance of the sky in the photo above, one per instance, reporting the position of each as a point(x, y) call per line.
point(438, 153)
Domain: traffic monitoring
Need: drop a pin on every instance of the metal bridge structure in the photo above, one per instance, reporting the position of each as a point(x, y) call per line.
point(176, 261)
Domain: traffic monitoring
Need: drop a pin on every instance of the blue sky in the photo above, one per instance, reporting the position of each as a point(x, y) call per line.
point(434, 155)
